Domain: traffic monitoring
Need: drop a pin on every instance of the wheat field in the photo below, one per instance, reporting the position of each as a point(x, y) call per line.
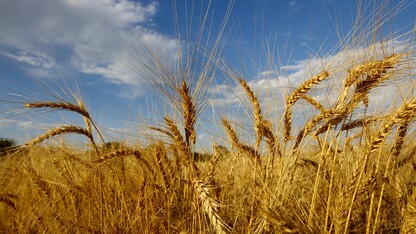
point(347, 168)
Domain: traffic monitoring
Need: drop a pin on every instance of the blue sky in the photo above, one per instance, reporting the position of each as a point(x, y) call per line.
point(102, 47)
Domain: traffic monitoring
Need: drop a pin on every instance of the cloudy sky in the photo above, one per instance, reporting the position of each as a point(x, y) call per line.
point(109, 50)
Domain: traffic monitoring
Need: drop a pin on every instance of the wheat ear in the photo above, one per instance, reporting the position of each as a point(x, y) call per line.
point(359, 123)
point(258, 119)
point(60, 105)
point(80, 109)
point(164, 131)
point(404, 115)
point(65, 129)
point(262, 126)
point(189, 114)
point(240, 146)
point(379, 73)
point(398, 141)
point(313, 102)
point(158, 155)
point(375, 67)
point(409, 213)
point(8, 199)
point(179, 142)
point(295, 95)
point(313, 122)
point(210, 207)
point(118, 153)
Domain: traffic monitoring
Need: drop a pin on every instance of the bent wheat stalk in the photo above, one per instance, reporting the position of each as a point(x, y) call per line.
point(295, 96)
point(65, 129)
point(80, 109)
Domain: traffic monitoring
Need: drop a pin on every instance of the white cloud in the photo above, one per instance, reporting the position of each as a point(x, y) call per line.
point(33, 58)
point(293, 7)
point(271, 85)
point(108, 38)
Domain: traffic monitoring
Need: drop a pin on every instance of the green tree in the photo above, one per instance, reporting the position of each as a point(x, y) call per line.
point(5, 144)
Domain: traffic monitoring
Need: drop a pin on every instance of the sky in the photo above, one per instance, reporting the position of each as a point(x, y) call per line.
point(106, 51)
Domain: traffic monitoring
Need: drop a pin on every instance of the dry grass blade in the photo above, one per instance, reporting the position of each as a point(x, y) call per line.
point(210, 207)
point(277, 222)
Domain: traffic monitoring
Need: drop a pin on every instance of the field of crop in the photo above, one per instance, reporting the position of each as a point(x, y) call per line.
point(348, 167)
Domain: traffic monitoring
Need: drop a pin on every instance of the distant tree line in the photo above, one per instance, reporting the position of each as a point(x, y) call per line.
point(5, 144)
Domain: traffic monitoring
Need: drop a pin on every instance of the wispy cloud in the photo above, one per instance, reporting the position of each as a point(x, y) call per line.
point(293, 7)
point(33, 58)
point(109, 38)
